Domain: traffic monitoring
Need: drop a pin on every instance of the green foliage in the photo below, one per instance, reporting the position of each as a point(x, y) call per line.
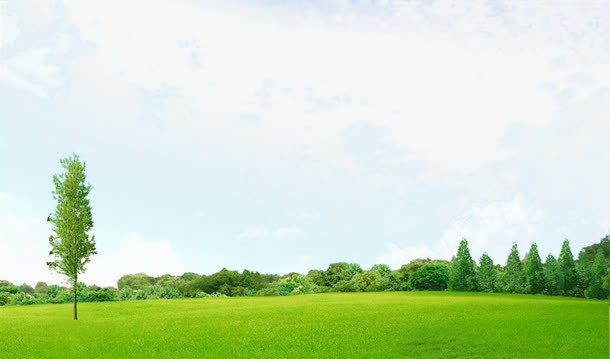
point(383, 269)
point(189, 276)
point(135, 281)
point(334, 273)
point(167, 280)
point(317, 277)
point(350, 271)
point(4, 298)
point(462, 276)
point(606, 284)
point(127, 294)
point(53, 290)
point(5, 283)
point(278, 289)
point(27, 289)
point(599, 273)
point(567, 271)
point(583, 273)
point(346, 286)
point(534, 271)
point(71, 246)
point(604, 245)
point(10, 289)
point(41, 288)
point(486, 274)
point(370, 281)
point(551, 276)
point(401, 276)
point(430, 277)
point(512, 279)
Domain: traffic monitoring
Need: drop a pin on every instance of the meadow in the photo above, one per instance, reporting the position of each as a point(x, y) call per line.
point(331, 325)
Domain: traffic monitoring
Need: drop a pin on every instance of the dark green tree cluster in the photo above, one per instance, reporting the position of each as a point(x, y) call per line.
point(563, 276)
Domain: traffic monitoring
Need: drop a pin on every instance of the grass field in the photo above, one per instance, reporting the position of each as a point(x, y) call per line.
point(337, 325)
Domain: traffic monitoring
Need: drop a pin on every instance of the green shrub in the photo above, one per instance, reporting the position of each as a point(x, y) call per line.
point(169, 293)
point(53, 290)
point(10, 289)
point(268, 292)
point(430, 277)
point(127, 294)
point(4, 298)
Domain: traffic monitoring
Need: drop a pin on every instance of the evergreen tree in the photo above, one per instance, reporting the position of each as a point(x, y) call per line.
point(486, 274)
point(583, 271)
point(512, 279)
point(567, 270)
point(599, 272)
point(462, 276)
point(534, 273)
point(551, 276)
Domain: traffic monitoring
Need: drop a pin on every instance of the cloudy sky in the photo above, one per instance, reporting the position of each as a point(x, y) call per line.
point(282, 136)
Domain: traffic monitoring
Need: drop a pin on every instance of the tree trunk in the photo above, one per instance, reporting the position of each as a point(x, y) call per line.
point(75, 289)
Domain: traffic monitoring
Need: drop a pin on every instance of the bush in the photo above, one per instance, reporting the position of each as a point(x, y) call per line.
point(268, 292)
point(53, 290)
point(4, 298)
point(95, 296)
point(201, 295)
point(371, 281)
point(127, 294)
point(169, 293)
point(430, 277)
point(346, 286)
point(321, 289)
point(10, 289)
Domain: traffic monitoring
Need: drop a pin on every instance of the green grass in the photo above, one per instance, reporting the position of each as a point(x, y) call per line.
point(334, 325)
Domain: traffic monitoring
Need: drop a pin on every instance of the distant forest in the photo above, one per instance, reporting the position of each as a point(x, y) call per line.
point(586, 276)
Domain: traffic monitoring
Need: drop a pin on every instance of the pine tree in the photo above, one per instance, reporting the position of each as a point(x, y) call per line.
point(462, 276)
point(486, 274)
point(534, 273)
point(551, 276)
point(567, 270)
point(583, 271)
point(599, 272)
point(512, 279)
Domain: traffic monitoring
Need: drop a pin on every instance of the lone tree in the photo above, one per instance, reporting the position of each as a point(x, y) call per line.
point(462, 276)
point(71, 245)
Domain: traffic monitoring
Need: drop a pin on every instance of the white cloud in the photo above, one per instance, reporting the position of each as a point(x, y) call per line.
point(288, 233)
point(396, 256)
point(24, 252)
point(491, 227)
point(494, 226)
point(24, 247)
point(252, 234)
point(262, 233)
point(445, 80)
point(9, 29)
point(133, 256)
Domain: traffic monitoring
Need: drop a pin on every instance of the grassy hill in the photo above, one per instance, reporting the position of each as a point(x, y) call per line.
point(333, 325)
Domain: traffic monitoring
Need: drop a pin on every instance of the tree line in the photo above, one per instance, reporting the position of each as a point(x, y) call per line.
point(72, 248)
point(564, 276)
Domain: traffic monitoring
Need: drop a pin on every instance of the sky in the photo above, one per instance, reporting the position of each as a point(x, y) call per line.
point(282, 136)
